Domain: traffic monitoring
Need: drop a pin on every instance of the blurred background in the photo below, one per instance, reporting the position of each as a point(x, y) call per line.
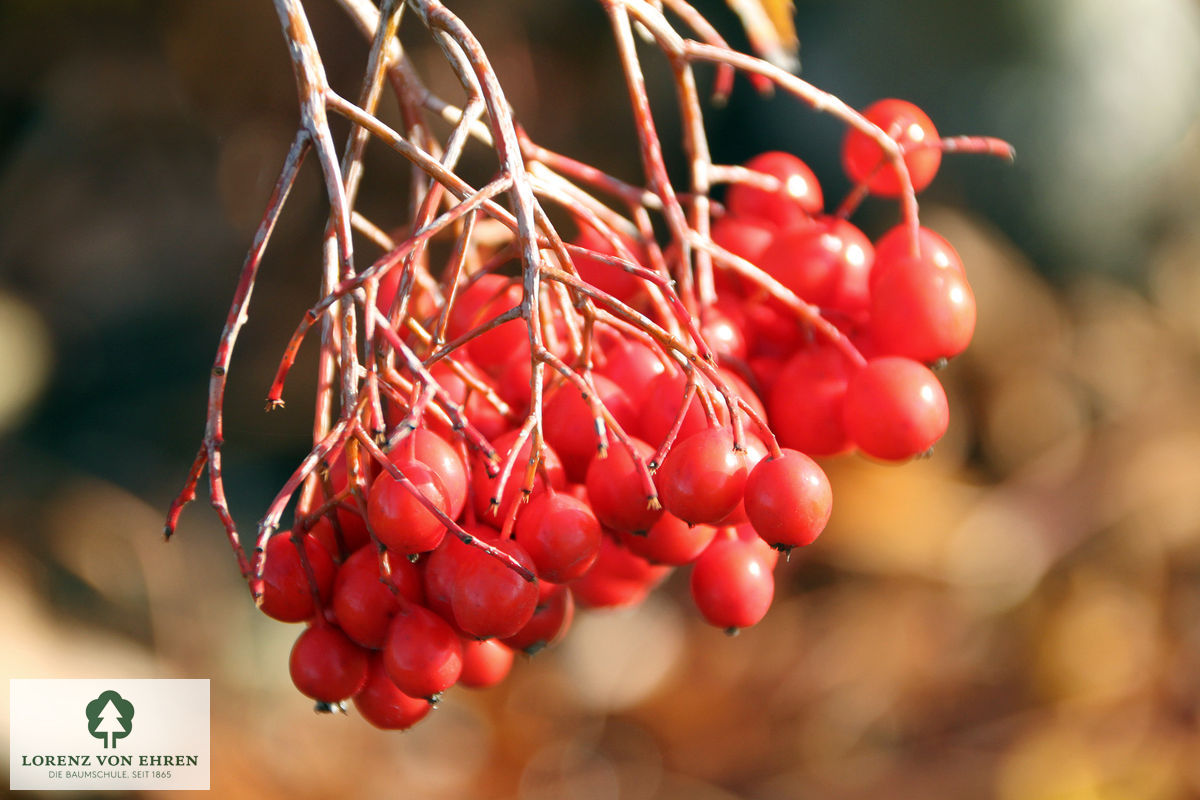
point(1017, 617)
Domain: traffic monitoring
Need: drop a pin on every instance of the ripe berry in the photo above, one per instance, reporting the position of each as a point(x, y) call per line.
point(485, 663)
point(896, 245)
point(382, 703)
point(788, 500)
point(895, 408)
point(422, 653)
point(561, 535)
point(826, 263)
point(486, 488)
point(363, 604)
point(798, 197)
point(807, 398)
point(606, 277)
point(921, 310)
point(864, 160)
point(398, 518)
point(702, 478)
point(327, 666)
point(617, 492)
point(732, 584)
point(490, 598)
point(570, 429)
point(551, 619)
point(618, 578)
point(670, 541)
point(436, 453)
point(485, 299)
point(745, 237)
point(287, 594)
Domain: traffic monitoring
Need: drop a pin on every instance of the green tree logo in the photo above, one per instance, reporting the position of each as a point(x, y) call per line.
point(110, 717)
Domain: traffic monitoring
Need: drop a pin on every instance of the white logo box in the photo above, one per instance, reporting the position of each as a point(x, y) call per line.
point(57, 742)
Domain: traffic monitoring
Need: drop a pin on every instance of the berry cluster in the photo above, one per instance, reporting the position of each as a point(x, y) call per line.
point(646, 461)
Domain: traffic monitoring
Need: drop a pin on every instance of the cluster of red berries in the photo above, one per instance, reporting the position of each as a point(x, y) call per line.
point(400, 610)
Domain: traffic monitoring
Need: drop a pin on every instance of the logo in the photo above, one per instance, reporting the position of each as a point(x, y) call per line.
point(73, 735)
point(110, 717)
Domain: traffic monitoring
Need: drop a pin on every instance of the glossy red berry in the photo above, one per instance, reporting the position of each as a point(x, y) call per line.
point(287, 594)
point(895, 408)
point(670, 541)
point(551, 618)
point(486, 487)
point(422, 652)
point(618, 578)
point(921, 310)
point(896, 245)
point(382, 703)
point(806, 401)
point(608, 278)
point(440, 456)
point(327, 666)
point(702, 478)
point(485, 663)
point(798, 196)
point(490, 598)
point(561, 535)
point(363, 603)
point(788, 500)
point(618, 492)
point(732, 584)
point(826, 263)
point(570, 428)
point(864, 160)
point(400, 520)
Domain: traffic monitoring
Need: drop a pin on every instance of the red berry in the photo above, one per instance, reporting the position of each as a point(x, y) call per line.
point(327, 666)
point(561, 535)
point(570, 428)
point(382, 703)
point(732, 584)
point(670, 541)
point(788, 500)
point(826, 263)
point(363, 603)
point(702, 478)
point(551, 619)
point(287, 594)
point(797, 198)
point(486, 488)
point(618, 492)
point(485, 663)
point(628, 363)
point(490, 598)
point(864, 160)
point(807, 398)
point(896, 245)
point(440, 456)
point(745, 237)
point(618, 578)
point(921, 310)
point(422, 653)
point(398, 518)
point(485, 299)
point(895, 408)
point(606, 277)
